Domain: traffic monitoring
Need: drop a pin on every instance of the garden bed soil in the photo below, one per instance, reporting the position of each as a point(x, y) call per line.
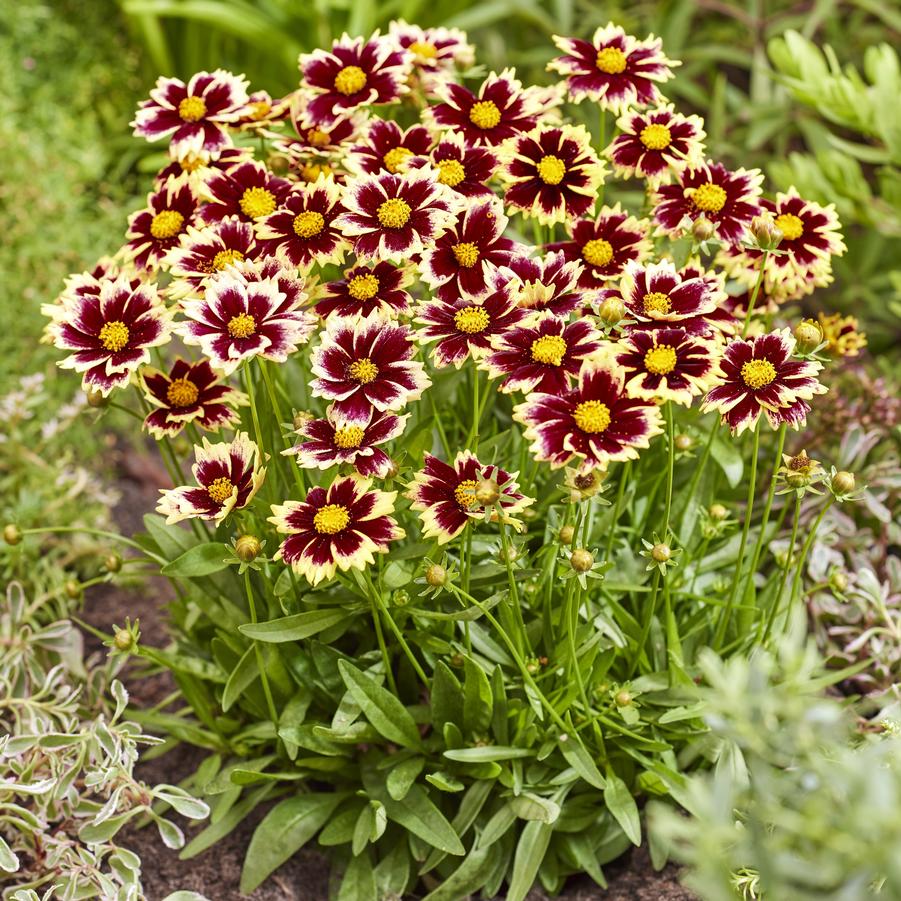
point(216, 873)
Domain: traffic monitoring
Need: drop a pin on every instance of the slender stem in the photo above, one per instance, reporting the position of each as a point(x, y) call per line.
point(248, 382)
point(264, 679)
point(511, 582)
point(380, 637)
point(783, 577)
point(618, 506)
point(699, 469)
point(276, 407)
point(112, 536)
point(756, 290)
point(805, 550)
point(380, 603)
point(670, 439)
point(646, 625)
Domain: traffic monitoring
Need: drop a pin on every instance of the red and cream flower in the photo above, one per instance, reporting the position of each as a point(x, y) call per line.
point(668, 364)
point(605, 244)
point(250, 309)
point(551, 173)
point(595, 422)
point(355, 72)
point(719, 321)
point(333, 440)
point(436, 52)
point(728, 200)
point(304, 230)
point(228, 475)
point(155, 230)
point(109, 333)
point(388, 148)
point(463, 327)
point(657, 295)
point(395, 217)
point(193, 116)
point(264, 110)
point(204, 252)
point(613, 69)
point(197, 168)
point(655, 143)
point(551, 283)
point(249, 191)
point(365, 289)
point(501, 109)
point(761, 377)
point(460, 263)
point(190, 392)
point(445, 495)
point(361, 363)
point(316, 145)
point(541, 354)
point(464, 168)
point(339, 527)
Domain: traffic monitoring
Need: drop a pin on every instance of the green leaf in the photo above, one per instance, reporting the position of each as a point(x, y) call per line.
point(477, 699)
point(283, 832)
point(201, 560)
point(622, 805)
point(419, 816)
point(489, 752)
point(530, 851)
point(729, 458)
point(403, 776)
point(8, 861)
point(380, 707)
point(240, 678)
point(579, 759)
point(467, 879)
point(359, 881)
point(446, 698)
point(294, 628)
point(219, 829)
point(533, 807)
point(445, 782)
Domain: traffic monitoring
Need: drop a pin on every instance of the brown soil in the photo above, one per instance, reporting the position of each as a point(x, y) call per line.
point(216, 873)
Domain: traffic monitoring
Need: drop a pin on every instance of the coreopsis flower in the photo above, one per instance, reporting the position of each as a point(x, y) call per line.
point(464, 328)
point(727, 200)
point(594, 423)
point(368, 288)
point(190, 392)
point(541, 354)
point(552, 173)
point(605, 244)
point(395, 217)
point(193, 116)
point(197, 168)
point(339, 527)
point(613, 69)
point(228, 475)
point(722, 319)
point(550, 283)
point(332, 440)
point(445, 495)
point(760, 376)
point(436, 52)
point(668, 364)
point(465, 168)
point(501, 109)
point(388, 148)
point(316, 142)
point(355, 72)
point(361, 363)
point(155, 230)
point(109, 333)
point(841, 334)
point(658, 296)
point(304, 230)
point(250, 309)
point(249, 191)
point(460, 263)
point(264, 110)
point(204, 252)
point(656, 143)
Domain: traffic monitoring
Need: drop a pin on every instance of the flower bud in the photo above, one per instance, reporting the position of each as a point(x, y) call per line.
point(301, 418)
point(508, 554)
point(123, 640)
point(436, 575)
point(843, 482)
point(72, 589)
point(612, 310)
point(838, 580)
point(566, 534)
point(487, 492)
point(11, 534)
point(112, 563)
point(764, 232)
point(623, 698)
point(581, 560)
point(808, 334)
point(400, 598)
point(247, 548)
point(96, 399)
point(702, 229)
point(717, 512)
point(683, 442)
point(661, 552)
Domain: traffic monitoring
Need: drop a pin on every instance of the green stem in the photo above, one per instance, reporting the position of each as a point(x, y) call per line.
point(689, 493)
point(618, 506)
point(805, 550)
point(511, 582)
point(670, 437)
point(99, 532)
point(380, 603)
point(783, 577)
point(264, 679)
point(646, 625)
point(756, 290)
point(276, 407)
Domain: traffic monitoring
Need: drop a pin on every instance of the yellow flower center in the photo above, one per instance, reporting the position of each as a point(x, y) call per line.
point(192, 108)
point(114, 335)
point(225, 258)
point(394, 213)
point(242, 326)
point(551, 170)
point(259, 109)
point(709, 197)
point(597, 252)
point(485, 114)
point(657, 302)
point(592, 416)
point(465, 494)
point(363, 371)
point(331, 519)
point(166, 224)
point(758, 373)
point(396, 160)
point(467, 254)
point(191, 163)
point(549, 349)
point(308, 224)
point(349, 436)
point(472, 320)
point(451, 172)
point(423, 49)
point(257, 202)
point(363, 287)
point(611, 60)
point(182, 393)
point(655, 137)
point(660, 360)
point(790, 225)
point(350, 80)
point(220, 490)
point(311, 171)
point(318, 138)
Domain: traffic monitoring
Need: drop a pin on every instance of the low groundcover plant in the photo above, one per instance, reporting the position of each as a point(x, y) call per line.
point(475, 406)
